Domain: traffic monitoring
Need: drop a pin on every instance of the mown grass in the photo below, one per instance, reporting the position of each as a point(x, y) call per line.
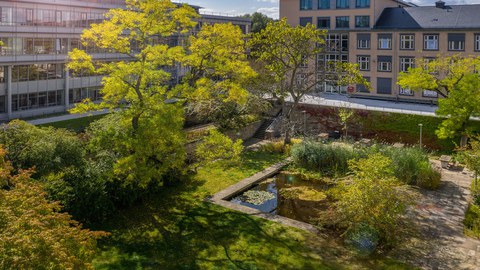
point(76, 125)
point(176, 229)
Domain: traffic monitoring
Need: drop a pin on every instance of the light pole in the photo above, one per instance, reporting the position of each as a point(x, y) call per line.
point(421, 130)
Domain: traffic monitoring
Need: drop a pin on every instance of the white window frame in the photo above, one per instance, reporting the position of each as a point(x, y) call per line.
point(406, 62)
point(430, 40)
point(385, 41)
point(385, 66)
point(363, 44)
point(456, 45)
point(407, 42)
point(363, 62)
point(430, 93)
point(406, 92)
point(477, 42)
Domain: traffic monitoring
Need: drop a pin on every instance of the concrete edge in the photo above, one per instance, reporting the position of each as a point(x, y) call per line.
point(220, 198)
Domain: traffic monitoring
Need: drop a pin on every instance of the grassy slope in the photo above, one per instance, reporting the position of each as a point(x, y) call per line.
point(176, 230)
point(76, 125)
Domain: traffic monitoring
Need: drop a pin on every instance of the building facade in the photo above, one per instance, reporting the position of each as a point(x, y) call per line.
point(386, 37)
point(36, 37)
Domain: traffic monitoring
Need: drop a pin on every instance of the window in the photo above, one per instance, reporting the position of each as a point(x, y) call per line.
point(29, 15)
point(363, 41)
point(58, 17)
point(304, 21)
point(304, 63)
point(362, 3)
point(407, 42)
point(428, 67)
point(336, 43)
point(6, 15)
point(305, 4)
point(37, 100)
point(430, 42)
point(477, 42)
point(343, 22)
point(456, 42)
point(384, 86)
point(406, 63)
point(405, 92)
point(385, 41)
point(362, 21)
point(429, 93)
point(323, 22)
point(363, 62)
point(343, 3)
point(362, 88)
point(323, 4)
point(385, 63)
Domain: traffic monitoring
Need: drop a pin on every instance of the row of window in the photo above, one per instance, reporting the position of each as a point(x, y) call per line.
point(29, 101)
point(48, 17)
point(37, 72)
point(77, 95)
point(456, 42)
point(384, 87)
point(384, 63)
point(341, 22)
point(339, 4)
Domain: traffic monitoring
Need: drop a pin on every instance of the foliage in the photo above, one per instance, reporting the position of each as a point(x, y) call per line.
point(455, 78)
point(286, 52)
point(76, 125)
point(326, 158)
point(374, 198)
point(33, 232)
point(257, 197)
point(472, 221)
point(428, 177)
point(259, 21)
point(280, 147)
point(218, 146)
point(45, 149)
point(345, 115)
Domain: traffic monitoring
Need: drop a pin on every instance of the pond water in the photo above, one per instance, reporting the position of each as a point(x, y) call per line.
point(287, 195)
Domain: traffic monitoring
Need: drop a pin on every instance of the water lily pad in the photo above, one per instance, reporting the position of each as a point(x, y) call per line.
point(257, 197)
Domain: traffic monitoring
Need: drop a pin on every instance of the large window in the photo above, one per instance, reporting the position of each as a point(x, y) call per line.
point(384, 41)
point(304, 21)
point(363, 41)
point(362, 3)
point(77, 95)
point(323, 22)
point(323, 4)
point(343, 22)
point(456, 42)
point(6, 15)
point(37, 72)
point(384, 63)
point(336, 42)
point(362, 21)
point(406, 63)
point(477, 42)
point(406, 92)
point(29, 101)
point(305, 4)
point(430, 42)
point(363, 62)
point(407, 42)
point(343, 3)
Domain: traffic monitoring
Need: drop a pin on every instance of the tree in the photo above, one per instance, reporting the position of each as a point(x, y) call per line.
point(151, 112)
point(289, 53)
point(456, 80)
point(345, 115)
point(259, 21)
point(33, 232)
point(374, 198)
point(216, 147)
point(471, 155)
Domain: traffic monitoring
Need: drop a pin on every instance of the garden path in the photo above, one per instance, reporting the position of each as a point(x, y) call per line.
point(440, 242)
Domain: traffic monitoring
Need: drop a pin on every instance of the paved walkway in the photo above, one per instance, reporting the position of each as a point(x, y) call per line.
point(441, 243)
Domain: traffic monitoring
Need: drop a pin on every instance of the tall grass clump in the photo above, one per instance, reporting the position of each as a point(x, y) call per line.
point(327, 158)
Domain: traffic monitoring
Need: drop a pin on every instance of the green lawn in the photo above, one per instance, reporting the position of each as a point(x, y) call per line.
point(175, 229)
point(76, 125)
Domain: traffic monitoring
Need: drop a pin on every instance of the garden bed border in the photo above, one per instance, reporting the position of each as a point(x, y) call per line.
point(221, 198)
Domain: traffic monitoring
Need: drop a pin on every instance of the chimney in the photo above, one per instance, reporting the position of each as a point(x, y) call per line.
point(440, 4)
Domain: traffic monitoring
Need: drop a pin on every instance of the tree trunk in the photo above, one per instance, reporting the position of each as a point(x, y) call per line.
point(288, 116)
point(463, 141)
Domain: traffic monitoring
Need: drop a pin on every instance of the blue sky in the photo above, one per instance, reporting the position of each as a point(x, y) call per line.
point(236, 7)
point(270, 7)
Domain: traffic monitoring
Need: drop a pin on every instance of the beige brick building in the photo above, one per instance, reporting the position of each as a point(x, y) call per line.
point(386, 37)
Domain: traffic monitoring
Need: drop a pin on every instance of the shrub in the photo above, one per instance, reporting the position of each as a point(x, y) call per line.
point(217, 146)
point(327, 158)
point(279, 147)
point(407, 162)
point(428, 177)
point(472, 220)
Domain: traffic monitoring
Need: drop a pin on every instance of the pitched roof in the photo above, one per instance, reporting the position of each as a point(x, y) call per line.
point(430, 17)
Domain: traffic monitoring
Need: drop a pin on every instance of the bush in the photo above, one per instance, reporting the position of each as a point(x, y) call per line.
point(217, 146)
point(327, 158)
point(472, 220)
point(428, 177)
point(408, 162)
point(279, 147)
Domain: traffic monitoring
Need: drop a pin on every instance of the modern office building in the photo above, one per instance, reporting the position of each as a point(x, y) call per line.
point(386, 37)
point(37, 36)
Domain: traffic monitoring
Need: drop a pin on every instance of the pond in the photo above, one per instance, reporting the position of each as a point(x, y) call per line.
point(287, 195)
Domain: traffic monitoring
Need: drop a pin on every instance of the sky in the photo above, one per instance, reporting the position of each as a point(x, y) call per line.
point(270, 7)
